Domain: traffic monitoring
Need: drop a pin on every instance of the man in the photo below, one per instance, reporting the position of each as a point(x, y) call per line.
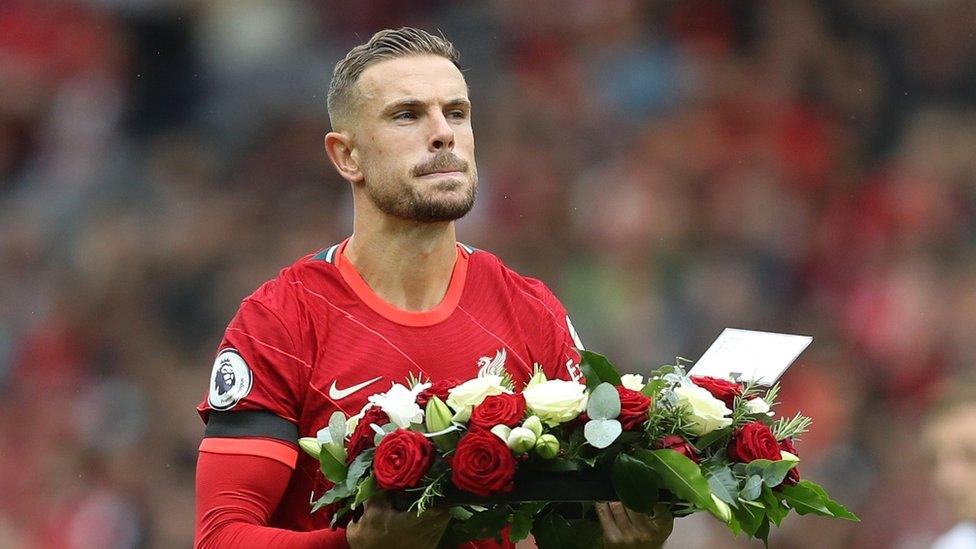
point(950, 432)
point(400, 296)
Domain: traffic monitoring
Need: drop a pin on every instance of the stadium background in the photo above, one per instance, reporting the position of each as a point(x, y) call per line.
point(669, 168)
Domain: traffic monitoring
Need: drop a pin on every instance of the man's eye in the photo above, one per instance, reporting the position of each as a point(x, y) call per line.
point(405, 115)
point(458, 114)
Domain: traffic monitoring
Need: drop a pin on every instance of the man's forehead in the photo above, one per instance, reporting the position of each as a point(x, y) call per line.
point(426, 78)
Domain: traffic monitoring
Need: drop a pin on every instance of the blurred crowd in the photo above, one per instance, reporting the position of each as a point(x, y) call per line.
point(669, 168)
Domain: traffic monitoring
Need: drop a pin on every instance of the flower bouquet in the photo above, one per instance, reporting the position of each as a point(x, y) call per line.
point(514, 461)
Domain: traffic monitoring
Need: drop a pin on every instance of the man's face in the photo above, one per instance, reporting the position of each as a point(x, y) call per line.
point(413, 138)
point(952, 439)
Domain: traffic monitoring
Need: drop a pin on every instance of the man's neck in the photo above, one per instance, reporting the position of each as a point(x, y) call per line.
point(408, 265)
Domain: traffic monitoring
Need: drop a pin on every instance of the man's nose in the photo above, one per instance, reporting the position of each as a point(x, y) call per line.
point(441, 133)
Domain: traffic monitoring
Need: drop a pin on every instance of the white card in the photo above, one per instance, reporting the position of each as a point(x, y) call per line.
point(748, 355)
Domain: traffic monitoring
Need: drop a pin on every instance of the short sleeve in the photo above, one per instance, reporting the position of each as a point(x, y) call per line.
point(259, 366)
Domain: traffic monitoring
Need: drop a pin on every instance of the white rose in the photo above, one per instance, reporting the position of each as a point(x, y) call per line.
point(471, 393)
point(556, 401)
point(758, 406)
point(400, 403)
point(634, 382)
point(706, 412)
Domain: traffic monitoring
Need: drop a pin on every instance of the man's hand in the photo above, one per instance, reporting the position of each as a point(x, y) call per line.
point(626, 529)
point(383, 527)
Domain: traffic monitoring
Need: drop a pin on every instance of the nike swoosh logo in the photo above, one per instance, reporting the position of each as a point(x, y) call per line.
point(337, 394)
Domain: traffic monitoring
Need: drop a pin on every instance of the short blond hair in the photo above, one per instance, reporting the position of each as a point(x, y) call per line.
point(385, 44)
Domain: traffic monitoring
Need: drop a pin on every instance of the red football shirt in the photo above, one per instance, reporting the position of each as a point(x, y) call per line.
point(316, 339)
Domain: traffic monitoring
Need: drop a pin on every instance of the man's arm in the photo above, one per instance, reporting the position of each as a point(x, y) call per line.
point(236, 495)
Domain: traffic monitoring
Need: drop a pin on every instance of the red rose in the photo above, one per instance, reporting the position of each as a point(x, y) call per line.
point(362, 436)
point(679, 444)
point(753, 441)
point(793, 477)
point(483, 464)
point(633, 408)
point(722, 389)
point(504, 409)
point(401, 459)
point(438, 389)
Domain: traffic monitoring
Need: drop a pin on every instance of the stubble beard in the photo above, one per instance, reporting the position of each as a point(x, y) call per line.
point(424, 202)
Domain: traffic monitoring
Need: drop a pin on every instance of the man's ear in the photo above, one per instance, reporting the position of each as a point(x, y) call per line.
point(339, 148)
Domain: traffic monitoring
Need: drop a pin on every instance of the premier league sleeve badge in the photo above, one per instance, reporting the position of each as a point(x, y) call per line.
point(230, 380)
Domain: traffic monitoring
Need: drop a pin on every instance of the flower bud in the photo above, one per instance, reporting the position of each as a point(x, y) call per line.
point(502, 432)
point(311, 446)
point(521, 440)
point(547, 446)
point(437, 415)
point(534, 424)
point(721, 510)
point(536, 379)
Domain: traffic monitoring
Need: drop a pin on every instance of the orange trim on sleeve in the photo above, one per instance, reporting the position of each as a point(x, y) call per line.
point(272, 449)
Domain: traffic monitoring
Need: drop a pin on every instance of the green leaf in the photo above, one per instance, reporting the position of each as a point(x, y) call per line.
point(460, 513)
point(336, 493)
point(358, 467)
point(774, 506)
point(809, 497)
point(553, 531)
point(805, 500)
point(337, 427)
point(487, 524)
point(635, 482)
point(332, 468)
point(763, 531)
point(750, 517)
point(772, 472)
point(718, 435)
point(597, 369)
point(604, 402)
point(601, 433)
point(522, 520)
point(724, 485)
point(365, 491)
point(652, 387)
point(752, 488)
point(679, 475)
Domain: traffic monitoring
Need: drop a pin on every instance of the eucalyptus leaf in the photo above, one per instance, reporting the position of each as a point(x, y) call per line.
point(772, 472)
point(635, 482)
point(752, 488)
point(604, 402)
point(337, 427)
point(382, 431)
point(601, 433)
point(724, 485)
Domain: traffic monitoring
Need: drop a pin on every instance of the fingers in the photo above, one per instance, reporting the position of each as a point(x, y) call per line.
point(611, 532)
